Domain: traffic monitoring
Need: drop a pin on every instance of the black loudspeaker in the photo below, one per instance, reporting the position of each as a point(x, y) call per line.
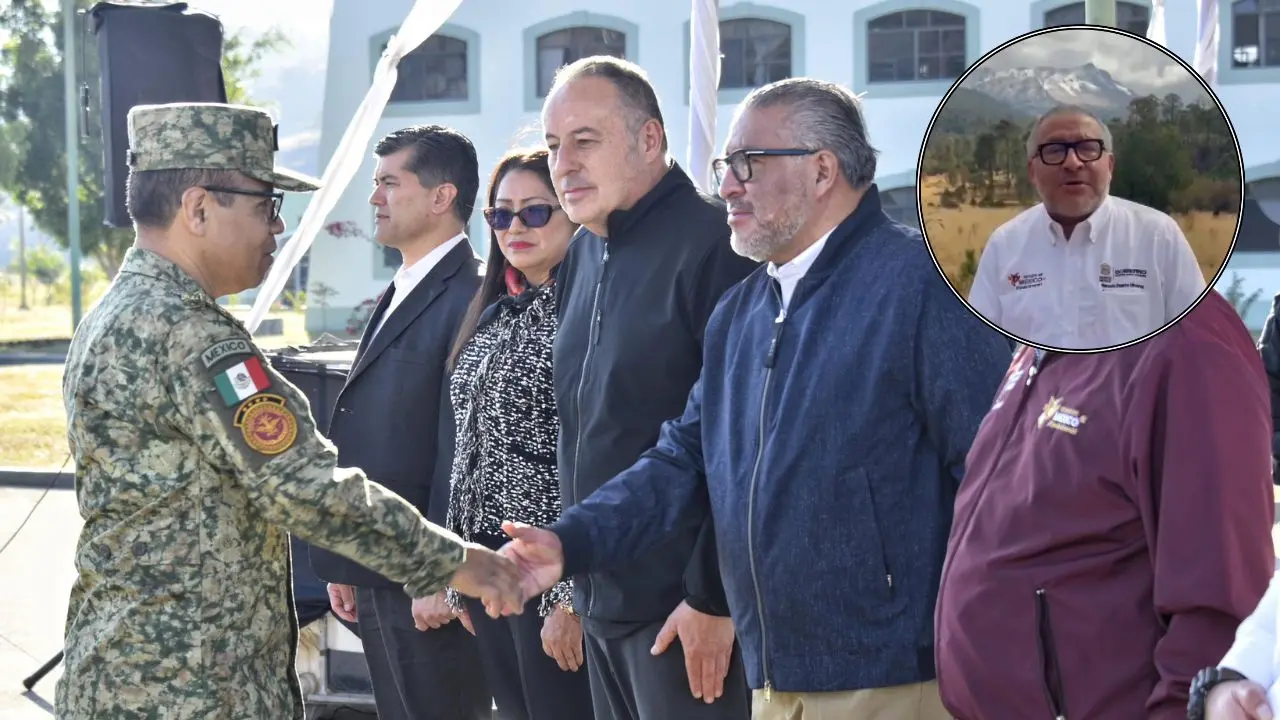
point(149, 54)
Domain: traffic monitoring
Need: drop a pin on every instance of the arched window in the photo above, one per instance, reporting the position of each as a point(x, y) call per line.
point(1130, 16)
point(435, 70)
point(916, 45)
point(561, 47)
point(1255, 33)
point(754, 52)
point(439, 77)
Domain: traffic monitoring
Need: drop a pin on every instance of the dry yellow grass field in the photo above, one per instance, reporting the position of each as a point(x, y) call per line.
point(33, 426)
point(952, 231)
point(32, 422)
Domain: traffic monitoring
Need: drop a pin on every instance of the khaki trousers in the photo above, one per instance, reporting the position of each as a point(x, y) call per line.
point(918, 701)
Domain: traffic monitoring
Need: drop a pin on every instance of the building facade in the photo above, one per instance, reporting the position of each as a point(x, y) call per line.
point(486, 71)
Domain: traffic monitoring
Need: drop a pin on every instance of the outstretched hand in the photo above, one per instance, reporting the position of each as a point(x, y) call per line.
point(492, 578)
point(537, 554)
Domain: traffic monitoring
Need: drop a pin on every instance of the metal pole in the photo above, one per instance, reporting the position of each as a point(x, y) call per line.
point(73, 153)
point(1100, 12)
point(22, 258)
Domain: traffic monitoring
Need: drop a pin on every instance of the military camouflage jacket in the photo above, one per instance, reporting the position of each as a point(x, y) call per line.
point(193, 459)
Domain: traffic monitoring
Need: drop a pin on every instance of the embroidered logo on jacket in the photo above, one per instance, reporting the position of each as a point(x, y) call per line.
point(1019, 281)
point(267, 425)
point(1121, 278)
point(1060, 417)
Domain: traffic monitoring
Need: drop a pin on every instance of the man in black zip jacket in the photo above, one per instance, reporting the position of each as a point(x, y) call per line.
point(640, 280)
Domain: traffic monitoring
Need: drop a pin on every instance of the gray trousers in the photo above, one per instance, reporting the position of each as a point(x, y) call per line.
point(628, 683)
point(416, 675)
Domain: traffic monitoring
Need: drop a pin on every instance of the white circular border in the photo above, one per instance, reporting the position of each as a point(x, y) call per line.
point(1235, 140)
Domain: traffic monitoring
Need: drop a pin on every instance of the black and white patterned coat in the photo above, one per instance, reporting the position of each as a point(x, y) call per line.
point(504, 465)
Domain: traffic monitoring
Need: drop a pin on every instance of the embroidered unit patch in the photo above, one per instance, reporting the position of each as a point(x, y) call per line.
point(223, 348)
point(267, 425)
point(241, 381)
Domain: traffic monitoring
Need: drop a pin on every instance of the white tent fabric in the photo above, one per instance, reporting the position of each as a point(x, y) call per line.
point(425, 18)
point(1206, 58)
point(1155, 28)
point(704, 84)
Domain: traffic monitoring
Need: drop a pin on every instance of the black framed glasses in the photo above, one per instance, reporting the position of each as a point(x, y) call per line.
point(739, 161)
point(531, 216)
point(1055, 153)
point(276, 197)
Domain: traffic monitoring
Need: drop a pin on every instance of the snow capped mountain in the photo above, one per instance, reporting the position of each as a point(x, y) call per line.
point(1035, 90)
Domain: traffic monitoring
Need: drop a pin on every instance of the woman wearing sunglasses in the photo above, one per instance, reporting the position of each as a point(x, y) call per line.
point(504, 465)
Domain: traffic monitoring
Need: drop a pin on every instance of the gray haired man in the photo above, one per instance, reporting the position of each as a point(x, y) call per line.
point(842, 385)
point(1083, 270)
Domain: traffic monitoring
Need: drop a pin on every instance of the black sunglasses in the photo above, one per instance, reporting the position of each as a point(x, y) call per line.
point(531, 216)
point(739, 161)
point(277, 197)
point(1055, 153)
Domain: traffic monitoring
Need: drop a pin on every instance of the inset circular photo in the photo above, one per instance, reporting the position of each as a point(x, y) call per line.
point(1080, 188)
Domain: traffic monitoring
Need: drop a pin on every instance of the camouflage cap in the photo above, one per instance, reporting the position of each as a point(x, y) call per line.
point(210, 136)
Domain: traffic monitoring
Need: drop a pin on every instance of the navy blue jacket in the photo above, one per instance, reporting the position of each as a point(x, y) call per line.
point(828, 447)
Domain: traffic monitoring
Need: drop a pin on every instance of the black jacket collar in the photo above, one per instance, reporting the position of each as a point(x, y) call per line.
point(622, 221)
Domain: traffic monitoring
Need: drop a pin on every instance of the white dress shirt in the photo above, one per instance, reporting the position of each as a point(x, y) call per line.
point(408, 277)
point(1255, 653)
point(1125, 272)
point(788, 275)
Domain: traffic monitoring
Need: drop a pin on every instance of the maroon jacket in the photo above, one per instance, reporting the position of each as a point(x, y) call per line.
point(1112, 530)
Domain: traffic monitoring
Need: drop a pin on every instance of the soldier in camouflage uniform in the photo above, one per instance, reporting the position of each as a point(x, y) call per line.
point(194, 458)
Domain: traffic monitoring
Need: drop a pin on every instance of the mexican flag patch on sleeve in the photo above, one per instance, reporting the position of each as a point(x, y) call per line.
point(242, 380)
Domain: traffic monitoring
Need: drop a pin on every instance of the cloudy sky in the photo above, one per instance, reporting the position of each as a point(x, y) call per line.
point(1131, 62)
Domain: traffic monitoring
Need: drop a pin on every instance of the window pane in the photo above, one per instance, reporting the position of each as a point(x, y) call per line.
point(953, 41)
point(760, 50)
point(1271, 39)
point(941, 19)
point(1072, 14)
point(733, 64)
point(891, 56)
point(559, 48)
point(435, 70)
point(927, 53)
point(930, 67)
point(1131, 14)
point(917, 18)
point(930, 41)
point(892, 21)
point(1245, 40)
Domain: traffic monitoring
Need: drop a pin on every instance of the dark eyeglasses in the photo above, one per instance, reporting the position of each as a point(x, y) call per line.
point(1055, 153)
point(531, 216)
point(739, 161)
point(277, 197)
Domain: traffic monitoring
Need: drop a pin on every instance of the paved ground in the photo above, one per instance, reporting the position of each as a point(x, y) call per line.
point(37, 570)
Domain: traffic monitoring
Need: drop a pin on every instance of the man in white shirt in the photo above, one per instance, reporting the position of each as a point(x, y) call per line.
point(1083, 270)
point(392, 418)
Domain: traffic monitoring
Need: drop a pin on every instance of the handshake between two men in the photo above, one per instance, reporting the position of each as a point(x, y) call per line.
point(505, 580)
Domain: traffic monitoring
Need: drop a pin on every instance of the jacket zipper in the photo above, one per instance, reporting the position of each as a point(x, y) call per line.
point(593, 338)
point(1049, 668)
point(769, 362)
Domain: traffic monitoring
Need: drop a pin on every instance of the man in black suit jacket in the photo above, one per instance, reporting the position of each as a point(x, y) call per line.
point(387, 420)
